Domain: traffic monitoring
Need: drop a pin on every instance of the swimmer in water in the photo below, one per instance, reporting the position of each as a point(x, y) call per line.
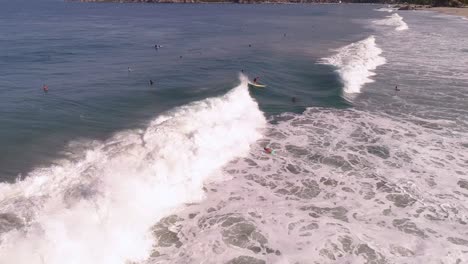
point(396, 88)
point(269, 150)
point(151, 82)
point(45, 88)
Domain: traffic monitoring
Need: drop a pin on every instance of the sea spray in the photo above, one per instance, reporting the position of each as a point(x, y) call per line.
point(355, 63)
point(394, 20)
point(100, 208)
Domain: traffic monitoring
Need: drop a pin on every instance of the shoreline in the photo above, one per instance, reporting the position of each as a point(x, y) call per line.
point(455, 11)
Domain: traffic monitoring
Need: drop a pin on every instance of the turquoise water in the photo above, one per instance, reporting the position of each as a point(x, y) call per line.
point(106, 169)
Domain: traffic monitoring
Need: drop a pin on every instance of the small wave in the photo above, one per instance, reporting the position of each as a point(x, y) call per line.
point(385, 9)
point(394, 20)
point(356, 63)
point(100, 208)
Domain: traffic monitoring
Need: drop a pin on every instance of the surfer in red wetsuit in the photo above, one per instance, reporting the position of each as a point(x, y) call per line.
point(268, 150)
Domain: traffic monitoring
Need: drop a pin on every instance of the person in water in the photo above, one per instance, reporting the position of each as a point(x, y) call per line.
point(151, 82)
point(255, 80)
point(268, 150)
point(45, 88)
point(294, 99)
point(396, 88)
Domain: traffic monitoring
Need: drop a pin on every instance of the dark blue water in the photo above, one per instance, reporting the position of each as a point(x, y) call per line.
point(83, 51)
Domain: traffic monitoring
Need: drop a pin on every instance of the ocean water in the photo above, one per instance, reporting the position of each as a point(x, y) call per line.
point(106, 168)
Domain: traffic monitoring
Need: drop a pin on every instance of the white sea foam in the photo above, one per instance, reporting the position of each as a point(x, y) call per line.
point(99, 208)
point(385, 9)
point(394, 20)
point(356, 63)
point(344, 186)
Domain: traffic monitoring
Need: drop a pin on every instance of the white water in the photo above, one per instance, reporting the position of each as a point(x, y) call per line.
point(356, 63)
point(394, 20)
point(99, 208)
point(344, 186)
point(385, 9)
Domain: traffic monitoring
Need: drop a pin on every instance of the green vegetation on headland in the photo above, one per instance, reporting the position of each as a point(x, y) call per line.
point(406, 3)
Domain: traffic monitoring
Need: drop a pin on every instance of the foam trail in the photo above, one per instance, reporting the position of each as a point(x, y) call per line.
point(394, 20)
point(356, 63)
point(100, 208)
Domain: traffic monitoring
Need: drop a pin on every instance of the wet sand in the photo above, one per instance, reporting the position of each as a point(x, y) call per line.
point(452, 11)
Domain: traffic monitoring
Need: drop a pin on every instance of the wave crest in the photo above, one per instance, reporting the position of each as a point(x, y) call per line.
point(385, 9)
point(356, 62)
point(394, 20)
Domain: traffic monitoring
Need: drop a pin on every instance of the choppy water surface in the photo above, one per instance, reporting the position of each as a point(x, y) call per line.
point(117, 171)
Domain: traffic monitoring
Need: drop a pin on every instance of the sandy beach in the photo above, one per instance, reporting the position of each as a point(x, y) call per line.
point(452, 11)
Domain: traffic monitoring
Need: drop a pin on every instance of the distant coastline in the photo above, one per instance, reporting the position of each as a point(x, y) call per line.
point(451, 11)
point(450, 7)
point(410, 5)
point(214, 1)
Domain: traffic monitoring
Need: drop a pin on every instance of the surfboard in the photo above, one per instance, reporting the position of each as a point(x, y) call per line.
point(253, 85)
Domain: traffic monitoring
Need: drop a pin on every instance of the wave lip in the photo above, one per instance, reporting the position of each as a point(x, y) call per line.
point(356, 62)
point(394, 20)
point(99, 209)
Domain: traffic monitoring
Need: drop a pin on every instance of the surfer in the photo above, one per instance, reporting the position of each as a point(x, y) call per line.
point(396, 88)
point(255, 80)
point(151, 82)
point(45, 88)
point(294, 99)
point(268, 150)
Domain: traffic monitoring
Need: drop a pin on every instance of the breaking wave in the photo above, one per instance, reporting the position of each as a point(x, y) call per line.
point(99, 207)
point(394, 20)
point(385, 9)
point(356, 62)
